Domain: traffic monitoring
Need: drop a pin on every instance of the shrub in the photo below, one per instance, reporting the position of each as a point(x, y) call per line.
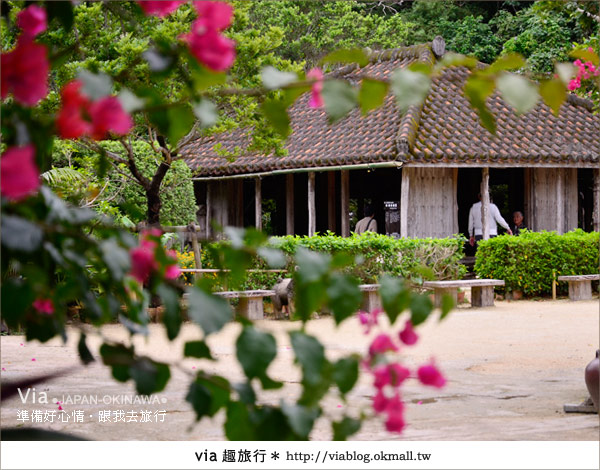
point(526, 262)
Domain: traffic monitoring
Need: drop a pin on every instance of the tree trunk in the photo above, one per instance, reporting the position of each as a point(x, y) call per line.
point(153, 194)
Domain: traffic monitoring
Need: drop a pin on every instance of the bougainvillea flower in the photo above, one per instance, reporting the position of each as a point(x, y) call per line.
point(316, 100)
point(44, 306)
point(108, 116)
point(382, 377)
point(172, 271)
point(70, 122)
point(381, 344)
point(214, 15)
point(211, 48)
point(395, 411)
point(408, 335)
point(430, 375)
point(159, 8)
point(397, 373)
point(380, 402)
point(19, 174)
point(143, 263)
point(32, 20)
point(24, 72)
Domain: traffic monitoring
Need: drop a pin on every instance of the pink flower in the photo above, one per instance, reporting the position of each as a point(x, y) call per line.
point(3, 369)
point(382, 377)
point(24, 72)
point(159, 8)
point(214, 15)
point(19, 174)
point(32, 20)
point(316, 100)
point(211, 48)
point(381, 344)
point(577, 63)
point(380, 402)
point(430, 375)
point(172, 271)
point(368, 319)
point(395, 411)
point(408, 335)
point(398, 373)
point(70, 122)
point(108, 116)
point(44, 306)
point(143, 262)
point(33, 360)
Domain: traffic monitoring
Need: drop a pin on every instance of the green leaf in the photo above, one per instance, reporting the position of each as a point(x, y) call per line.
point(554, 94)
point(119, 358)
point(274, 257)
point(506, 62)
point(208, 396)
point(129, 101)
point(172, 315)
point(181, 119)
point(95, 85)
point(116, 258)
point(204, 78)
point(276, 113)
point(84, 353)
point(371, 95)
point(586, 56)
point(197, 349)
point(410, 87)
point(200, 398)
point(447, 305)
point(210, 312)
point(344, 428)
point(237, 425)
point(17, 297)
point(157, 62)
point(19, 234)
point(344, 296)
point(519, 92)
point(310, 354)
point(271, 425)
point(339, 97)
point(310, 281)
point(395, 296)
point(245, 392)
point(63, 11)
point(207, 112)
point(477, 89)
point(273, 78)
point(451, 59)
point(300, 418)
point(345, 373)
point(312, 266)
point(346, 56)
point(255, 350)
point(420, 308)
point(149, 376)
point(291, 94)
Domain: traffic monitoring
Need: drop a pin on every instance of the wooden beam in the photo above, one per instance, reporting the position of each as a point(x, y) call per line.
point(345, 206)
point(209, 189)
point(289, 204)
point(596, 195)
point(312, 216)
point(485, 202)
point(404, 195)
point(258, 204)
point(331, 215)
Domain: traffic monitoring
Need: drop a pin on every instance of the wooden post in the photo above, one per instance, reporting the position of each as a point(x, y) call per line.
point(312, 216)
point(345, 206)
point(404, 195)
point(289, 204)
point(596, 196)
point(560, 205)
point(553, 284)
point(196, 248)
point(208, 208)
point(258, 204)
point(331, 216)
point(485, 202)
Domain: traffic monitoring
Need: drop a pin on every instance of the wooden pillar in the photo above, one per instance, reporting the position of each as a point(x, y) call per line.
point(258, 204)
point(560, 203)
point(596, 196)
point(312, 216)
point(345, 206)
point(331, 215)
point(404, 203)
point(209, 189)
point(485, 202)
point(289, 204)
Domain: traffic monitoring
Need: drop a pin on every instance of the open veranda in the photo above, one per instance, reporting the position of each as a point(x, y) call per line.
point(510, 369)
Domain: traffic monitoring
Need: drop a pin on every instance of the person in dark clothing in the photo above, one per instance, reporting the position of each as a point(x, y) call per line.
point(518, 224)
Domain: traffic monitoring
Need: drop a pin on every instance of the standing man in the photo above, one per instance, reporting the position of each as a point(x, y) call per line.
point(476, 226)
point(368, 223)
point(518, 223)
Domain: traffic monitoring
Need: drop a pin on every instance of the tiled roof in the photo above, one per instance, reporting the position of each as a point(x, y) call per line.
point(444, 130)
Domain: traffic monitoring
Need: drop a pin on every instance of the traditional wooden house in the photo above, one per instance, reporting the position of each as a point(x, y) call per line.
point(421, 169)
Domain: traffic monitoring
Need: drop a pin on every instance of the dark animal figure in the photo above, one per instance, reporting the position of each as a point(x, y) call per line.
point(283, 300)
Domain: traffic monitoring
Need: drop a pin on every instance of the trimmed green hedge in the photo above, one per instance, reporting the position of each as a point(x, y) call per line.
point(526, 262)
point(411, 258)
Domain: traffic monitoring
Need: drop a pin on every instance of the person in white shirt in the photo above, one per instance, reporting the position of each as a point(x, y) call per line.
point(368, 222)
point(476, 226)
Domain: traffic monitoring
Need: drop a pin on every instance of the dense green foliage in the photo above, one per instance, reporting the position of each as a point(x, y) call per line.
point(527, 262)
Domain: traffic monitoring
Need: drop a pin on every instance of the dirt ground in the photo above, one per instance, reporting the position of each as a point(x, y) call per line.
point(510, 369)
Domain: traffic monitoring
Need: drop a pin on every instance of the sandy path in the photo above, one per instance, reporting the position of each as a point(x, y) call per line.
point(510, 369)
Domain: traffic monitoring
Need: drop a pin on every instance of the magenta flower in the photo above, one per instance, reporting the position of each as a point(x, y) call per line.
point(172, 271)
point(214, 15)
point(316, 100)
point(32, 20)
point(210, 47)
point(18, 172)
point(44, 306)
point(430, 375)
point(381, 344)
point(395, 411)
point(143, 263)
point(70, 122)
point(380, 402)
point(382, 376)
point(408, 335)
point(159, 8)
point(397, 373)
point(368, 319)
point(24, 72)
point(108, 116)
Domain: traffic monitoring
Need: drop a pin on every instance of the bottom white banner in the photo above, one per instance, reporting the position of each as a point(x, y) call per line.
point(300, 455)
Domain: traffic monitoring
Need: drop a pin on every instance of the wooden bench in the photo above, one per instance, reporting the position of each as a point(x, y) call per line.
point(371, 299)
point(482, 290)
point(251, 302)
point(580, 287)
